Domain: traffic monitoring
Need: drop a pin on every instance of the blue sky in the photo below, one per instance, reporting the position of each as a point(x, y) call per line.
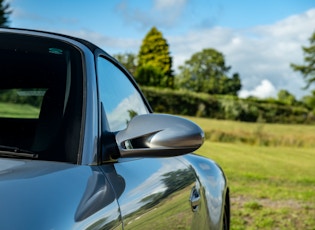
point(258, 38)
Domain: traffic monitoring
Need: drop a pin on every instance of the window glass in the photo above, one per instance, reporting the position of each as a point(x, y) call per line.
point(40, 95)
point(119, 97)
point(21, 103)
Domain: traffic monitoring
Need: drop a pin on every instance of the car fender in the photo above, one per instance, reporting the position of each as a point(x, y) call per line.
point(213, 187)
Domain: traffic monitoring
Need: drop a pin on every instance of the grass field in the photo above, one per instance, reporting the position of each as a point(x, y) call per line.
point(272, 185)
point(258, 133)
point(270, 167)
point(18, 110)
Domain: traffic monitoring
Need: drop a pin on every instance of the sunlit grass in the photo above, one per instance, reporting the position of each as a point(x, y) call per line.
point(257, 133)
point(270, 172)
point(271, 187)
point(18, 110)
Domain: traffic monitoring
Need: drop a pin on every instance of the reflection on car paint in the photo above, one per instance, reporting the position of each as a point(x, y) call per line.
point(36, 180)
point(152, 196)
point(213, 181)
point(86, 176)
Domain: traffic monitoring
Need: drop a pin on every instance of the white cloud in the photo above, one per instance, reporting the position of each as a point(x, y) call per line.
point(168, 4)
point(118, 116)
point(262, 52)
point(257, 53)
point(264, 90)
point(109, 44)
point(165, 13)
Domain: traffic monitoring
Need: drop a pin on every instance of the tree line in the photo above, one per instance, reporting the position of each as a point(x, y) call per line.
point(206, 73)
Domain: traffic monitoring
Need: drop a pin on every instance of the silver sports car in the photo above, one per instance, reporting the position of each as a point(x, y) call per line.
point(80, 147)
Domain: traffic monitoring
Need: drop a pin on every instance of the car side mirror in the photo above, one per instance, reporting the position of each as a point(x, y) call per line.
point(158, 135)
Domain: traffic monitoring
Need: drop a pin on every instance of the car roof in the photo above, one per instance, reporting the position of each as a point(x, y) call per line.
point(22, 31)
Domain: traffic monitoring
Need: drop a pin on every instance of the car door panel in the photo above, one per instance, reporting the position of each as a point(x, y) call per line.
point(89, 153)
point(98, 208)
point(157, 191)
point(163, 191)
point(212, 186)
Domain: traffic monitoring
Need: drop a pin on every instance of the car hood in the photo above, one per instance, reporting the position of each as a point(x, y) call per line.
point(48, 195)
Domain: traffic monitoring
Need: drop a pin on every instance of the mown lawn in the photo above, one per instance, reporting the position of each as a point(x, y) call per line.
point(271, 186)
point(18, 110)
point(270, 167)
point(257, 133)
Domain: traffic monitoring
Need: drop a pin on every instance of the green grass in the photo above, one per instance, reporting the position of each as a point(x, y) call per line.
point(18, 110)
point(257, 133)
point(267, 169)
point(271, 187)
point(270, 168)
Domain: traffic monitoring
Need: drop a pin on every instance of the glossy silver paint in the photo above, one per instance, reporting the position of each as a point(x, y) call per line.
point(92, 115)
point(169, 183)
point(157, 190)
point(159, 135)
point(51, 195)
point(213, 188)
point(150, 198)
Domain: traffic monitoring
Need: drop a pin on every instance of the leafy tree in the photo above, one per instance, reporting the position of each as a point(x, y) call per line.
point(150, 75)
point(4, 13)
point(154, 56)
point(286, 97)
point(308, 69)
point(309, 101)
point(233, 85)
point(129, 61)
point(206, 72)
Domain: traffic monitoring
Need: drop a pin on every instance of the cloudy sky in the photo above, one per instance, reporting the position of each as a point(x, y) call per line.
point(258, 38)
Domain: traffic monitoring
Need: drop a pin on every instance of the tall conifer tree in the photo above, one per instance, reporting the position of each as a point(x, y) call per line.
point(4, 13)
point(308, 68)
point(154, 61)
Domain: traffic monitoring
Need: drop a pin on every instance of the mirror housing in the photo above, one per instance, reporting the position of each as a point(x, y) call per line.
point(158, 135)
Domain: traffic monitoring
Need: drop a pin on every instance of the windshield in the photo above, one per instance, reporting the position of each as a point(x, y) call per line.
point(40, 96)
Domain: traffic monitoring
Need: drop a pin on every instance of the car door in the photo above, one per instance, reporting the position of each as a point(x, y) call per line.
point(156, 191)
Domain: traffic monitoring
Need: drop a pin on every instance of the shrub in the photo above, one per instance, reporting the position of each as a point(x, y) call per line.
point(184, 102)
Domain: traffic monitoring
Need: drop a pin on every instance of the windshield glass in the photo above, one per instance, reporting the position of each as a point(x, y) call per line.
point(40, 95)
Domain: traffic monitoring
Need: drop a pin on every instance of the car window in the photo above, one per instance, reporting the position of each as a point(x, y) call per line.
point(40, 94)
point(121, 100)
point(21, 102)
